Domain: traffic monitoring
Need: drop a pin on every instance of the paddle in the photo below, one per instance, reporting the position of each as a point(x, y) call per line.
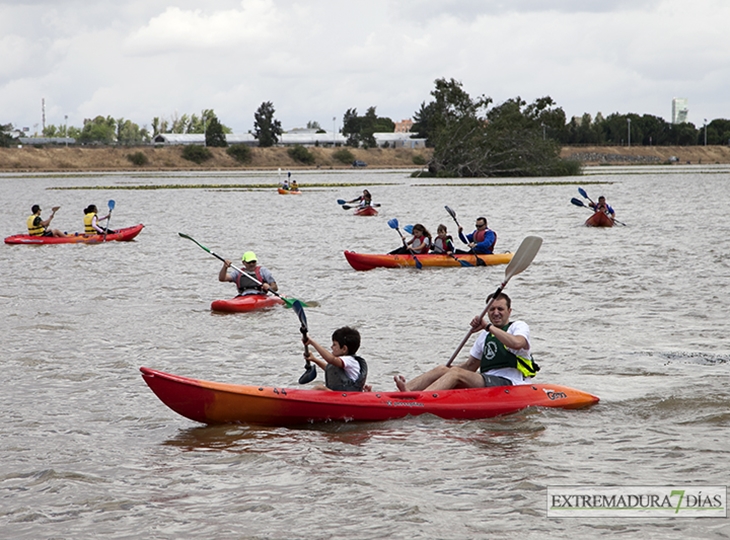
point(393, 224)
point(578, 202)
point(112, 204)
point(348, 207)
point(341, 201)
point(409, 230)
point(310, 370)
point(521, 260)
point(584, 194)
point(288, 302)
point(453, 215)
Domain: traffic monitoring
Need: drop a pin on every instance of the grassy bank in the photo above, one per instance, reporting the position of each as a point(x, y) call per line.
point(82, 159)
point(62, 159)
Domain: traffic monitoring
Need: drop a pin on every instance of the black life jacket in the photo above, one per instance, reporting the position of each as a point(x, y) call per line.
point(336, 378)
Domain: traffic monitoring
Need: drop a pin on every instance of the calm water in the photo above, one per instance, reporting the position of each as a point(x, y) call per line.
point(635, 314)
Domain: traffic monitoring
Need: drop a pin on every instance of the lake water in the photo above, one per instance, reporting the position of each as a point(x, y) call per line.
point(637, 315)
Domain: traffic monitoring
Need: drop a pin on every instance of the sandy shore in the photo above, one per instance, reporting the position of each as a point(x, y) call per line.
point(62, 159)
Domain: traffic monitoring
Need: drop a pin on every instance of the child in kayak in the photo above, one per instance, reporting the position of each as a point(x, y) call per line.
point(344, 371)
point(420, 243)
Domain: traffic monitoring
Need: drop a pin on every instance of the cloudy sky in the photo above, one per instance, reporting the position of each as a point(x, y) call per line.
point(314, 59)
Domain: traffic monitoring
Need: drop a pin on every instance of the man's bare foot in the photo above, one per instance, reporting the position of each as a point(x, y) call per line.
point(400, 382)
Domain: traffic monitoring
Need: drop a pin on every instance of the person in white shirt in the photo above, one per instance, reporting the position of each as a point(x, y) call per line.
point(500, 356)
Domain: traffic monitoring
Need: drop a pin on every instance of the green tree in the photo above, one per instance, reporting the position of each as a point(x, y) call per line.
point(351, 125)
point(718, 132)
point(5, 139)
point(129, 133)
point(471, 141)
point(98, 130)
point(361, 129)
point(266, 129)
point(214, 135)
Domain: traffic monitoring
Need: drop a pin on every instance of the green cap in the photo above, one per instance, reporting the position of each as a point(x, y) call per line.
point(249, 256)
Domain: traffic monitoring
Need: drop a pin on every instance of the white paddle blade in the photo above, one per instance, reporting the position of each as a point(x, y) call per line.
point(524, 256)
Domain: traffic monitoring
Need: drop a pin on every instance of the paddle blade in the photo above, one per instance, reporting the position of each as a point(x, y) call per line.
point(112, 204)
point(451, 212)
point(341, 201)
point(310, 373)
point(346, 207)
point(299, 310)
point(583, 193)
point(393, 223)
point(577, 202)
point(408, 228)
point(524, 256)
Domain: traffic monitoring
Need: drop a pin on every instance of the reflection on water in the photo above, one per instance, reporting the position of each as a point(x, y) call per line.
point(635, 314)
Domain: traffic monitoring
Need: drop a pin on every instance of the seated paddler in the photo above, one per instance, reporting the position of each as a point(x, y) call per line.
point(252, 279)
point(344, 371)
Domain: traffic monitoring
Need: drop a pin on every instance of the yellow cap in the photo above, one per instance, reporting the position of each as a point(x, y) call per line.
point(248, 256)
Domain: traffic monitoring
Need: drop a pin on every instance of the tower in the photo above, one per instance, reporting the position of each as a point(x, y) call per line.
point(679, 110)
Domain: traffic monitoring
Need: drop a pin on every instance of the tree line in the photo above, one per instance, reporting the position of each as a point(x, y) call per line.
point(470, 136)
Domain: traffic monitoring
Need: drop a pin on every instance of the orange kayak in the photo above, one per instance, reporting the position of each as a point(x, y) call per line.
point(368, 261)
point(599, 219)
point(222, 403)
point(121, 235)
point(283, 191)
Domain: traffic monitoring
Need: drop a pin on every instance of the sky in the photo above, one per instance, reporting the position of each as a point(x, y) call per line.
point(314, 59)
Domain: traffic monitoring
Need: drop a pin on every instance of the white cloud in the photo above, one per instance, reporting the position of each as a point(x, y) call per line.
point(315, 59)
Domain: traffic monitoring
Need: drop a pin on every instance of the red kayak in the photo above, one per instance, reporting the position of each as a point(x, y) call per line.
point(366, 211)
point(248, 302)
point(599, 219)
point(222, 403)
point(121, 235)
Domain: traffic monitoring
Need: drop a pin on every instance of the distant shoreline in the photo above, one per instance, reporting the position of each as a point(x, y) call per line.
point(72, 159)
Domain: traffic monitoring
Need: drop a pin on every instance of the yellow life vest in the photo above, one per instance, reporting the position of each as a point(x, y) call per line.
point(34, 230)
point(88, 227)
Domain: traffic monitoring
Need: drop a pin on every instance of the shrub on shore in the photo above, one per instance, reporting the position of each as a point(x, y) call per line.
point(138, 158)
point(196, 154)
point(418, 159)
point(343, 156)
point(300, 154)
point(239, 152)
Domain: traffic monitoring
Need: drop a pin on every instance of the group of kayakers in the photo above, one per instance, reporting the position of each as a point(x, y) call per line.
point(480, 241)
point(37, 226)
point(288, 184)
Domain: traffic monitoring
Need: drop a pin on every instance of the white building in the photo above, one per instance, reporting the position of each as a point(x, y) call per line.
point(304, 138)
point(679, 110)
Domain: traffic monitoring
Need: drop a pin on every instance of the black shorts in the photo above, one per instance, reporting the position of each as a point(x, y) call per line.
point(494, 380)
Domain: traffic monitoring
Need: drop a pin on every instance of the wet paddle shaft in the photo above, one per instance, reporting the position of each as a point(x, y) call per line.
point(112, 204)
point(521, 260)
point(310, 370)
